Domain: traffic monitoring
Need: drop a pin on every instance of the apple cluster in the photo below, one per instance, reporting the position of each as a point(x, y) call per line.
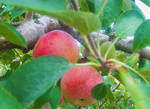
point(77, 83)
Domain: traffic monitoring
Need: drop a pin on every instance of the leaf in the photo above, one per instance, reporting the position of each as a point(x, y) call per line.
point(53, 96)
point(7, 57)
point(39, 5)
point(126, 5)
point(139, 91)
point(14, 65)
point(16, 12)
point(99, 91)
point(147, 2)
point(6, 9)
point(110, 12)
point(8, 101)
point(79, 20)
point(11, 34)
point(146, 73)
point(142, 36)
point(83, 5)
point(104, 48)
point(34, 78)
point(128, 23)
point(132, 60)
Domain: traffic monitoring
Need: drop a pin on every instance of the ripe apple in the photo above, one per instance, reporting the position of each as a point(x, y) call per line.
point(77, 83)
point(58, 43)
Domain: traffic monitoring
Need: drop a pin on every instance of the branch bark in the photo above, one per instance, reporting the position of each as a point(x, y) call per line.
point(32, 30)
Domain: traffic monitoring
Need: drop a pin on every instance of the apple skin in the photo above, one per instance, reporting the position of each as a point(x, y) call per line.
point(58, 43)
point(77, 83)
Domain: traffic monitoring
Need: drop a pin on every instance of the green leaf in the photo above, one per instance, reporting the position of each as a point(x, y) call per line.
point(83, 5)
point(132, 60)
point(39, 5)
point(110, 12)
point(6, 9)
point(8, 101)
point(79, 20)
point(11, 34)
point(139, 91)
point(105, 47)
point(99, 92)
point(146, 73)
point(126, 5)
point(142, 36)
point(34, 78)
point(53, 96)
point(128, 23)
point(147, 2)
point(16, 12)
point(7, 57)
point(14, 65)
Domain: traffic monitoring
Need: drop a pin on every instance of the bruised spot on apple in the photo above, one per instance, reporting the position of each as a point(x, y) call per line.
point(58, 43)
point(77, 83)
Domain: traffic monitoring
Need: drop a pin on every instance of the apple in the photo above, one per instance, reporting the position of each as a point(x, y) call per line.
point(77, 83)
point(58, 43)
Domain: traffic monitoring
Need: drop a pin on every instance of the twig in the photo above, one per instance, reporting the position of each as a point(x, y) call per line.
point(18, 54)
point(99, 57)
point(111, 106)
point(119, 99)
point(130, 68)
point(100, 106)
point(116, 88)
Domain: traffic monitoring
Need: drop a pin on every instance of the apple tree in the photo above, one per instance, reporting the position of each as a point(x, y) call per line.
point(74, 54)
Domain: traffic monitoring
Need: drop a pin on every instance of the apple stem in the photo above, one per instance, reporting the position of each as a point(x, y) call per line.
point(98, 55)
point(88, 44)
point(98, 44)
point(89, 63)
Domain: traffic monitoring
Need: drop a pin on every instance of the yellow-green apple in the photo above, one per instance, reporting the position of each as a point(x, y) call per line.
point(77, 83)
point(58, 43)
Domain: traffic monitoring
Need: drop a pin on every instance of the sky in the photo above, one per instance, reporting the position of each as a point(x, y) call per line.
point(145, 9)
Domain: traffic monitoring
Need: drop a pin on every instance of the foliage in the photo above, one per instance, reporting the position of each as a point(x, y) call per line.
point(30, 83)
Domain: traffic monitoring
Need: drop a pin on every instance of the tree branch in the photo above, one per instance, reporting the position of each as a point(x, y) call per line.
point(99, 57)
point(32, 30)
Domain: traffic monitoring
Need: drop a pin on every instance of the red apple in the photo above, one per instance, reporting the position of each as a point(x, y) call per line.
point(77, 83)
point(58, 43)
